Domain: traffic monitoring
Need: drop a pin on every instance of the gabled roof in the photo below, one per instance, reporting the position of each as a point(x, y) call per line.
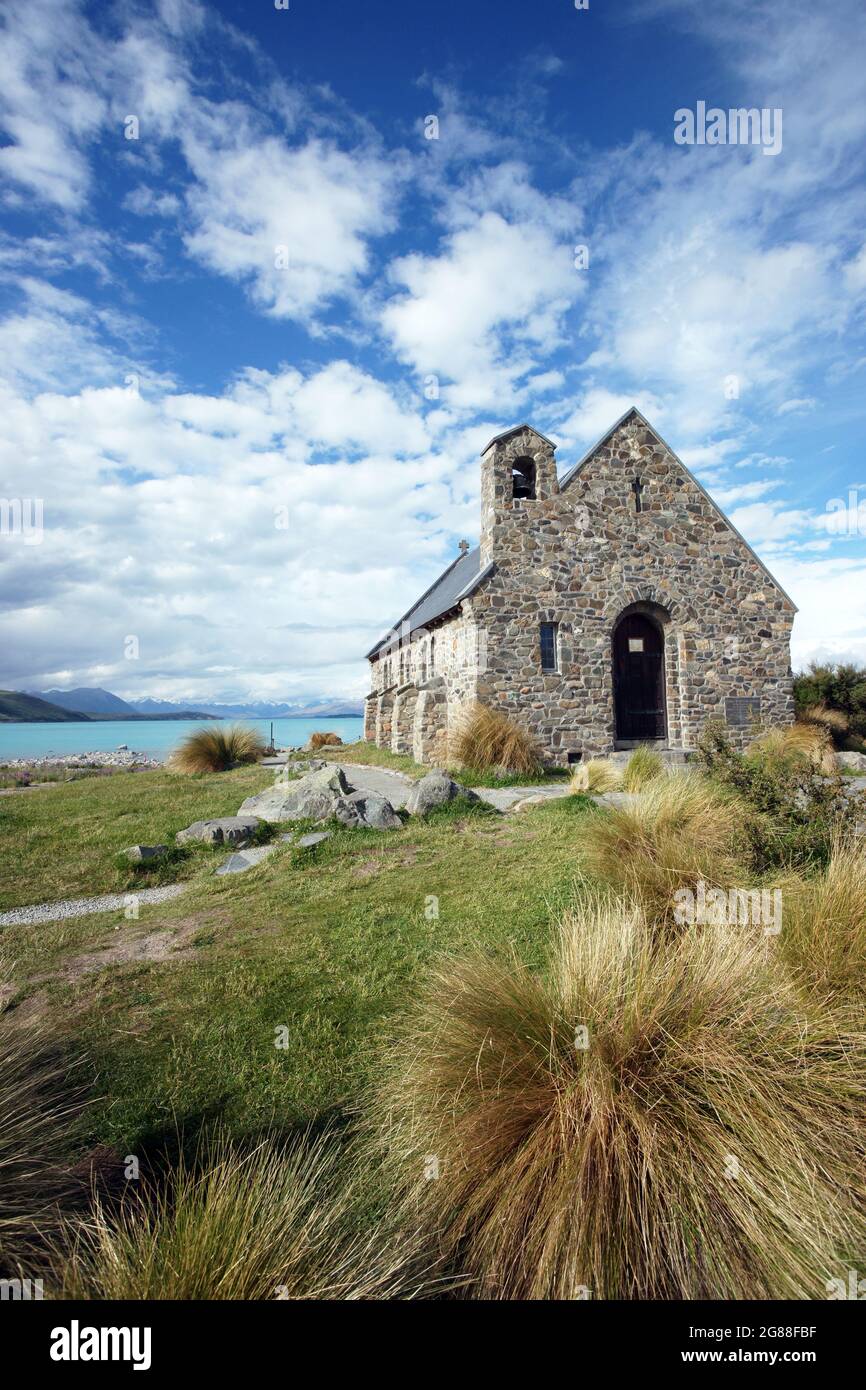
point(455, 583)
point(515, 429)
point(633, 411)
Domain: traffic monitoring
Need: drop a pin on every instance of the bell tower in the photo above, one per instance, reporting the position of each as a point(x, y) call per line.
point(518, 469)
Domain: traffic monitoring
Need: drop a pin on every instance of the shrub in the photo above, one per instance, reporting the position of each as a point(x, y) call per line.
point(824, 926)
point(697, 1141)
point(326, 740)
point(267, 1222)
point(677, 831)
point(487, 741)
point(595, 777)
point(216, 748)
point(794, 811)
point(643, 766)
point(839, 687)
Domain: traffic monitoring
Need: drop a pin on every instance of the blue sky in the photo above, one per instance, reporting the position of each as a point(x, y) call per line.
point(249, 356)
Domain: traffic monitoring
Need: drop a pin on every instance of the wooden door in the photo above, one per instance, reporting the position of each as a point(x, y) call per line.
point(638, 679)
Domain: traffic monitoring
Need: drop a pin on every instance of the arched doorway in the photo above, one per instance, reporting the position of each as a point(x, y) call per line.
point(639, 678)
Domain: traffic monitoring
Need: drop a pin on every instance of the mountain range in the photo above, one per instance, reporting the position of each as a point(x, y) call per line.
point(98, 703)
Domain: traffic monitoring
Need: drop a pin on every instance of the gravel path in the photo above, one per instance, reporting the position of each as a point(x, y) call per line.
point(83, 907)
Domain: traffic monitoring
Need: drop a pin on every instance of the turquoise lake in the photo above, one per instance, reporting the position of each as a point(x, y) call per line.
point(154, 737)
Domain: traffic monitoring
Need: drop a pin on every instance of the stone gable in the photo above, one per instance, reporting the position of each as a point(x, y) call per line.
point(628, 543)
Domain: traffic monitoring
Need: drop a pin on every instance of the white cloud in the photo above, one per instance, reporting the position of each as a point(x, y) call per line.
point(482, 312)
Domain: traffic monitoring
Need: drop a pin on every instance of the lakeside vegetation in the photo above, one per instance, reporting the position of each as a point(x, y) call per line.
point(312, 1034)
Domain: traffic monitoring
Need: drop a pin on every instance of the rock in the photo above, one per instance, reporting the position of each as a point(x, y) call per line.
point(854, 762)
point(320, 796)
point(614, 798)
point(529, 801)
point(142, 854)
point(369, 811)
point(435, 789)
point(239, 863)
point(314, 797)
point(232, 830)
point(314, 838)
point(123, 748)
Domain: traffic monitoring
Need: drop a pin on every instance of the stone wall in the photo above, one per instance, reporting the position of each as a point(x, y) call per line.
point(578, 556)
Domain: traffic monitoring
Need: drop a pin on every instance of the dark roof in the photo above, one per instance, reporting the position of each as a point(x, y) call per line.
point(515, 429)
point(460, 578)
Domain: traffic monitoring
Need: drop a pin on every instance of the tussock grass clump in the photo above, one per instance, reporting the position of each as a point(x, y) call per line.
point(649, 1121)
point(835, 721)
point(595, 777)
point(643, 766)
point(804, 743)
point(216, 748)
point(488, 741)
point(824, 926)
point(325, 740)
point(679, 830)
point(266, 1222)
point(38, 1103)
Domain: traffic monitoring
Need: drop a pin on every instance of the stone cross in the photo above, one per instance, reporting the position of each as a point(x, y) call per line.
point(463, 547)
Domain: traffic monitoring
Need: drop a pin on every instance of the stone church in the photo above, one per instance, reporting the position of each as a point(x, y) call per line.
point(612, 606)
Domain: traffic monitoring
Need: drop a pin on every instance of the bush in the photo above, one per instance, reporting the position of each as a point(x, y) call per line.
point(262, 1223)
point(794, 811)
point(677, 831)
point(216, 748)
point(487, 741)
point(643, 766)
point(595, 777)
point(839, 687)
point(696, 1141)
point(326, 740)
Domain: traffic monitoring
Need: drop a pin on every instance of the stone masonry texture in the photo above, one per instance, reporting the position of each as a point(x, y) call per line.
point(580, 555)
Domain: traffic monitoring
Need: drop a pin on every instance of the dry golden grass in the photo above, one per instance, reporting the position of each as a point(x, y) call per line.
point(835, 721)
point(486, 740)
point(40, 1095)
point(643, 767)
point(677, 831)
point(648, 1121)
point(325, 740)
point(824, 927)
point(269, 1222)
point(216, 748)
point(595, 777)
point(808, 743)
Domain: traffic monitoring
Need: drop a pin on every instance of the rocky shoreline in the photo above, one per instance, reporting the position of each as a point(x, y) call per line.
point(125, 758)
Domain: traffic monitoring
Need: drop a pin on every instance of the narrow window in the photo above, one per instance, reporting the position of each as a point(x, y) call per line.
point(637, 488)
point(548, 647)
point(523, 479)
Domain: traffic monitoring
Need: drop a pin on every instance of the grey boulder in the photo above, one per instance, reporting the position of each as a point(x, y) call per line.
point(320, 796)
point(435, 789)
point(312, 798)
point(142, 854)
point(245, 859)
point(854, 762)
point(229, 830)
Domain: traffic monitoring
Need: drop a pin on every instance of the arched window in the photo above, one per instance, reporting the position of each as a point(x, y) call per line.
point(523, 479)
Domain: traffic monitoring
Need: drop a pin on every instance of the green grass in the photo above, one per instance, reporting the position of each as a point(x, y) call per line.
point(64, 841)
point(326, 942)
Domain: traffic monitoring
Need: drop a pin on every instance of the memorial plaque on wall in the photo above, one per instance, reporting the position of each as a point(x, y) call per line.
point(742, 710)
